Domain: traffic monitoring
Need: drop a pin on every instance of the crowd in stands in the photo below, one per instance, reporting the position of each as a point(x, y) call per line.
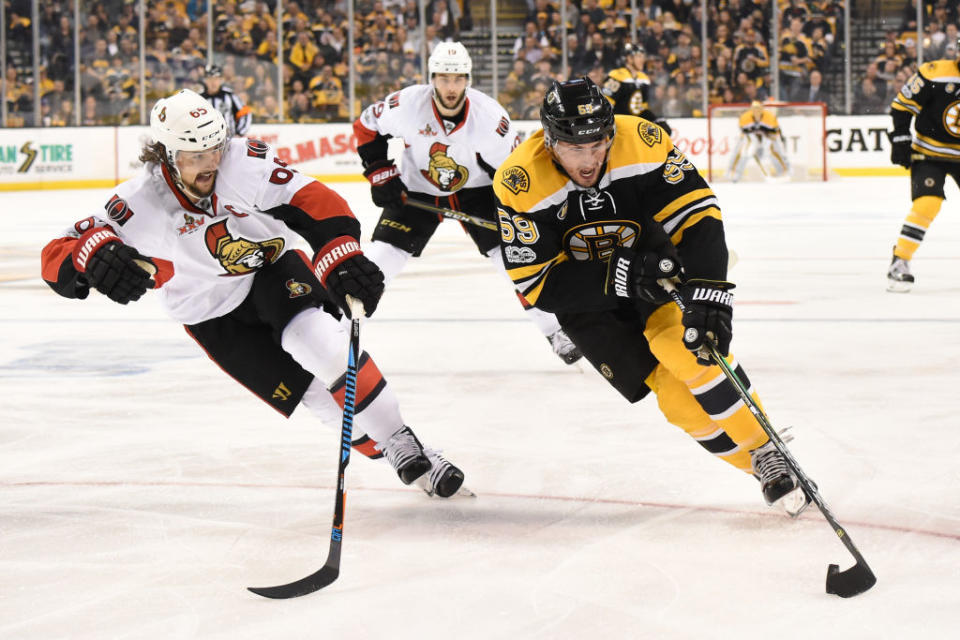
point(896, 59)
point(389, 46)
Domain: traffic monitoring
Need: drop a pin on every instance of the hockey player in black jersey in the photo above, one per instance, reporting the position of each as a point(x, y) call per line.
point(930, 99)
point(596, 210)
point(628, 87)
point(237, 115)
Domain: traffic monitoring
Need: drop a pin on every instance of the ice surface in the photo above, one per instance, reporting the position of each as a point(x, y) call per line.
point(141, 490)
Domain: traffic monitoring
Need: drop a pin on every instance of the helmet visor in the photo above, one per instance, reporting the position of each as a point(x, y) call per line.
point(206, 160)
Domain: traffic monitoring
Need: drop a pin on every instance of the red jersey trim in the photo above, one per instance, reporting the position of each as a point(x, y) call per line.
point(320, 202)
point(181, 198)
point(363, 134)
point(53, 256)
point(463, 120)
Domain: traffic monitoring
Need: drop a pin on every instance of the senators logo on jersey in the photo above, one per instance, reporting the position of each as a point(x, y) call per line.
point(239, 256)
point(297, 289)
point(443, 171)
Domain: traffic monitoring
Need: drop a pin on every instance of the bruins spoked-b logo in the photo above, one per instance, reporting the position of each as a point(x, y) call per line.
point(443, 171)
point(516, 179)
point(596, 241)
point(951, 119)
point(239, 256)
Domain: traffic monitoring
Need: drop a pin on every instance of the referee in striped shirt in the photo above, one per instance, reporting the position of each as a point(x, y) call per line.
point(222, 97)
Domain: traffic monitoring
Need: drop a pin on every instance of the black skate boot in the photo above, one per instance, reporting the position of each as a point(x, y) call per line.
point(445, 479)
point(776, 481)
point(899, 278)
point(564, 347)
point(405, 453)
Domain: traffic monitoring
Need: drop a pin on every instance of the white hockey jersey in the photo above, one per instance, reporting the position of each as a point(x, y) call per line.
point(439, 158)
point(206, 258)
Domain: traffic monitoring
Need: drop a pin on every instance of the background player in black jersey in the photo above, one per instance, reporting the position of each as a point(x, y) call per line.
point(236, 114)
point(628, 87)
point(932, 152)
point(596, 211)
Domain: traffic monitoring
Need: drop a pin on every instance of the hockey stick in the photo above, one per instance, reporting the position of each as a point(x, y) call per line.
point(331, 568)
point(453, 215)
point(846, 583)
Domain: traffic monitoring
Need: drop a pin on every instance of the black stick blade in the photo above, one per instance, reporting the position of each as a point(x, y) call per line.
point(850, 582)
point(304, 586)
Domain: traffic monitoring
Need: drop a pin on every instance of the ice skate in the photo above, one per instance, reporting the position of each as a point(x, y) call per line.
point(564, 347)
point(406, 454)
point(445, 479)
point(778, 484)
point(899, 278)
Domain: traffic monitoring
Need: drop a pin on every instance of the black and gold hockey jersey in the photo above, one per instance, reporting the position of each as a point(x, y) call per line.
point(932, 96)
point(628, 92)
point(556, 237)
point(766, 124)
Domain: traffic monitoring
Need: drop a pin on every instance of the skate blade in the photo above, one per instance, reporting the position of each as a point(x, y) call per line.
point(795, 502)
point(898, 286)
point(462, 492)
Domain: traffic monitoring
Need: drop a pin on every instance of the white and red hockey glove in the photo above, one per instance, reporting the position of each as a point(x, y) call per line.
point(343, 270)
point(386, 187)
point(111, 267)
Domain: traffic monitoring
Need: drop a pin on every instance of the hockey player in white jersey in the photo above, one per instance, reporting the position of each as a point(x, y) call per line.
point(211, 224)
point(454, 138)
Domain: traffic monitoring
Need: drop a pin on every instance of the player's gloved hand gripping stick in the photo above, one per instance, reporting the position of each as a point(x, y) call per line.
point(846, 583)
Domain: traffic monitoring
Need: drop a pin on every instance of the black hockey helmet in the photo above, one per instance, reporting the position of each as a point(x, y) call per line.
point(212, 71)
point(575, 111)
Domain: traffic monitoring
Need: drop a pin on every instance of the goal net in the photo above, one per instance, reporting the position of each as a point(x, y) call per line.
point(803, 125)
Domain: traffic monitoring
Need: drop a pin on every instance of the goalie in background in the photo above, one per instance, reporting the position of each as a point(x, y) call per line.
point(759, 134)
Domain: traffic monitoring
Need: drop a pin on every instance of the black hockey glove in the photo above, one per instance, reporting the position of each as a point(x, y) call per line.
point(708, 312)
point(900, 151)
point(634, 274)
point(112, 267)
point(663, 125)
point(343, 270)
point(386, 187)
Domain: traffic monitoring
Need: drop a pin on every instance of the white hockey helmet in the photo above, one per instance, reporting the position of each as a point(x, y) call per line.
point(450, 57)
point(185, 121)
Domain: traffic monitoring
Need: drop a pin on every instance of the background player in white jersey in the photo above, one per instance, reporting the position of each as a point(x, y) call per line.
point(759, 135)
point(454, 137)
point(236, 114)
point(211, 224)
